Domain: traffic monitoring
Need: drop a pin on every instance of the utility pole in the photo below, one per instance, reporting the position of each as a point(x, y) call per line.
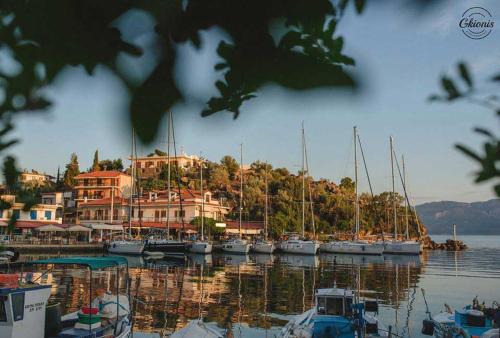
point(202, 200)
point(356, 206)
point(303, 183)
point(241, 186)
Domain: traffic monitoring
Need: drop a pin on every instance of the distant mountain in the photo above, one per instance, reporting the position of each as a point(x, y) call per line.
point(478, 218)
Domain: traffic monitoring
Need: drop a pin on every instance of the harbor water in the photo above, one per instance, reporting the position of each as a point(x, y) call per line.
point(254, 295)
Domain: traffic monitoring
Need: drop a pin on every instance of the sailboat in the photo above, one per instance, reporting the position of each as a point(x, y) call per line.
point(201, 246)
point(128, 246)
point(404, 247)
point(357, 246)
point(237, 244)
point(165, 244)
point(197, 328)
point(295, 244)
point(263, 245)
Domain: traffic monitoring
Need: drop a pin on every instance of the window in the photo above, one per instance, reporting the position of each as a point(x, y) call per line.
point(17, 305)
point(133, 212)
point(3, 313)
point(207, 198)
point(164, 214)
point(16, 213)
point(48, 214)
point(33, 214)
point(157, 215)
point(141, 214)
point(180, 213)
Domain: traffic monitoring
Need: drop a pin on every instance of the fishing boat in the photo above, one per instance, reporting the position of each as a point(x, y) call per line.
point(396, 246)
point(474, 320)
point(356, 246)
point(264, 245)
point(25, 308)
point(295, 244)
point(337, 313)
point(8, 256)
point(162, 241)
point(237, 244)
point(201, 246)
point(127, 245)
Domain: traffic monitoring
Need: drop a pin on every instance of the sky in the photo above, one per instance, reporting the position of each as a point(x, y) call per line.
point(399, 57)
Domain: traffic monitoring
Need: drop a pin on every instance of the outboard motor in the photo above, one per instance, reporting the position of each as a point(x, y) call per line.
point(427, 327)
point(53, 320)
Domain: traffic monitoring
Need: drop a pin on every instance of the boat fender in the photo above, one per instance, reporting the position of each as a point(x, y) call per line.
point(427, 327)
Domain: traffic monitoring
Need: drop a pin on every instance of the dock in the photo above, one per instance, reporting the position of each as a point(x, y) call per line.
point(97, 248)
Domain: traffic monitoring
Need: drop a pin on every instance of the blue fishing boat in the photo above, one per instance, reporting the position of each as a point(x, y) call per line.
point(337, 313)
point(476, 320)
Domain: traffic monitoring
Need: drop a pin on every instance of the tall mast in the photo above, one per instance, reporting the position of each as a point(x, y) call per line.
point(132, 188)
point(202, 200)
point(241, 185)
point(266, 206)
point(406, 200)
point(356, 199)
point(393, 192)
point(303, 182)
point(169, 135)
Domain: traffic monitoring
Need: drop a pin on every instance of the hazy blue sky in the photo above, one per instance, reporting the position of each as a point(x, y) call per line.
point(399, 59)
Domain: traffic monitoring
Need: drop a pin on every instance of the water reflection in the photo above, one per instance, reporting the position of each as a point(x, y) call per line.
point(252, 295)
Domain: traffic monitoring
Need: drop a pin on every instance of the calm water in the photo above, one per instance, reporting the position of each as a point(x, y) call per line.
point(253, 296)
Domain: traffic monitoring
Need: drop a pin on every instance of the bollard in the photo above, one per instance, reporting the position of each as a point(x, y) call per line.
point(389, 335)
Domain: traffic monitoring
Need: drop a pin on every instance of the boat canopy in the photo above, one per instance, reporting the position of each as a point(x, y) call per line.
point(94, 263)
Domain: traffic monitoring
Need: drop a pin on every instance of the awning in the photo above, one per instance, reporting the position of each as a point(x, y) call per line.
point(49, 228)
point(100, 226)
point(78, 228)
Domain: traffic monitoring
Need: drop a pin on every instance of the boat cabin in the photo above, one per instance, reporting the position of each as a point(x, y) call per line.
point(334, 302)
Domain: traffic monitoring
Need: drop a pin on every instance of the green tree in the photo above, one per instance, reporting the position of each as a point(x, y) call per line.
point(95, 163)
point(231, 166)
point(107, 164)
point(72, 169)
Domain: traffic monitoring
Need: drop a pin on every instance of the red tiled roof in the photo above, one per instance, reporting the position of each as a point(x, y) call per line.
point(100, 174)
point(245, 225)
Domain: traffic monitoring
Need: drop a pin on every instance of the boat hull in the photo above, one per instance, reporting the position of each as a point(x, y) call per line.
point(402, 248)
point(126, 247)
point(201, 247)
point(238, 248)
point(352, 248)
point(263, 248)
point(166, 246)
point(300, 247)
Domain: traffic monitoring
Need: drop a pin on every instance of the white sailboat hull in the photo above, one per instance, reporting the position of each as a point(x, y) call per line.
point(402, 248)
point(356, 248)
point(263, 247)
point(300, 247)
point(198, 329)
point(201, 247)
point(126, 247)
point(239, 247)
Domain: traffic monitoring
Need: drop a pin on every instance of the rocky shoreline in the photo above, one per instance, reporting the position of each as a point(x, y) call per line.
point(449, 245)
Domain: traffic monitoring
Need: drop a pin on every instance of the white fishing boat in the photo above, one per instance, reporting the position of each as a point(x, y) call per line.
point(238, 245)
point(28, 313)
point(264, 245)
point(202, 246)
point(396, 246)
point(295, 244)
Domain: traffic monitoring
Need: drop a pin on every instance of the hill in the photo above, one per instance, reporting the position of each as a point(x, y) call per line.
point(477, 218)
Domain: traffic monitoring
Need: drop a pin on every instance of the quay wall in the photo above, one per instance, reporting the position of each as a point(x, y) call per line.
point(57, 248)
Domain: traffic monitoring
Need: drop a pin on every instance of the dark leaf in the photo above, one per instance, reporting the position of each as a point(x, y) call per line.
point(484, 132)
point(496, 78)
point(469, 152)
point(449, 86)
point(360, 5)
point(464, 73)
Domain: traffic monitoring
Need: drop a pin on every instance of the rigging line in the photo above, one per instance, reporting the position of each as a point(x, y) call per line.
point(406, 195)
point(364, 163)
point(178, 177)
point(310, 189)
